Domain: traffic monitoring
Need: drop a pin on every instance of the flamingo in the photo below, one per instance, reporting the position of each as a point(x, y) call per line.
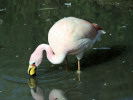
point(68, 36)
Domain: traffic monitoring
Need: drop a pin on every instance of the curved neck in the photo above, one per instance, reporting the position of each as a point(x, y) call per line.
point(53, 58)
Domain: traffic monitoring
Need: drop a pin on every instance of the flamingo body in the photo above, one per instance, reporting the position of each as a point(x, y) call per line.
point(71, 36)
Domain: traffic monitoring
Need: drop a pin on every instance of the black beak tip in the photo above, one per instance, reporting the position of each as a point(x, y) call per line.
point(33, 75)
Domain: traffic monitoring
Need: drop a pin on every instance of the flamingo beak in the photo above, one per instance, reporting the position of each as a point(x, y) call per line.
point(32, 70)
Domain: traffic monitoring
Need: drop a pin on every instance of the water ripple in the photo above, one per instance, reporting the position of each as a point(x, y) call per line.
point(12, 79)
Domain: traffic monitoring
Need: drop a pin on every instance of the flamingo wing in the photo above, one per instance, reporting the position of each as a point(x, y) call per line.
point(71, 35)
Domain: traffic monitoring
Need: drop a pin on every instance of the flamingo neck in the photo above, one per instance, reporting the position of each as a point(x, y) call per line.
point(53, 58)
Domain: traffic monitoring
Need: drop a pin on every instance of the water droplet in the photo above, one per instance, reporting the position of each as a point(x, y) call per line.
point(123, 61)
point(48, 19)
point(118, 3)
point(43, 4)
point(74, 79)
point(123, 26)
point(67, 4)
point(29, 49)
point(17, 56)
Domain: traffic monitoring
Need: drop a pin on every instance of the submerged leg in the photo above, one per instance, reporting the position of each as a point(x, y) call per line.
point(79, 70)
point(66, 61)
point(79, 76)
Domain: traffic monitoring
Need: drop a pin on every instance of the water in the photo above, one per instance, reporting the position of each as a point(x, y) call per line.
point(107, 69)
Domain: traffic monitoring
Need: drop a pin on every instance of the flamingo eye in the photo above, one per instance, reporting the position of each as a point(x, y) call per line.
point(33, 64)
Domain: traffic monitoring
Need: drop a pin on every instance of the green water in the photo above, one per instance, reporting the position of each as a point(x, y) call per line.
point(107, 74)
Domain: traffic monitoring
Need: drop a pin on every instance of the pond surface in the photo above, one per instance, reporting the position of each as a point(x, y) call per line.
point(107, 69)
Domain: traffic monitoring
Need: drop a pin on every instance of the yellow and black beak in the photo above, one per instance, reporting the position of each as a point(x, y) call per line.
point(32, 70)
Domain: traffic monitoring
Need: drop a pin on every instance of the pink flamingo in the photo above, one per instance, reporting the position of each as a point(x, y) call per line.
point(68, 36)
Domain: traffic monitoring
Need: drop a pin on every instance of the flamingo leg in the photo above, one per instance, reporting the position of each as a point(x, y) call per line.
point(66, 61)
point(78, 65)
point(79, 56)
point(78, 70)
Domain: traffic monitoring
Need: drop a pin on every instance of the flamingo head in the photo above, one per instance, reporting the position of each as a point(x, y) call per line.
point(35, 61)
point(32, 70)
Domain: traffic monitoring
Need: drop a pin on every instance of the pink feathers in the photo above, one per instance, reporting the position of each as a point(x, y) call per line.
point(67, 36)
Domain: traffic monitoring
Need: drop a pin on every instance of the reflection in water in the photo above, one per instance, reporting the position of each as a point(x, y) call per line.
point(57, 94)
point(38, 93)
